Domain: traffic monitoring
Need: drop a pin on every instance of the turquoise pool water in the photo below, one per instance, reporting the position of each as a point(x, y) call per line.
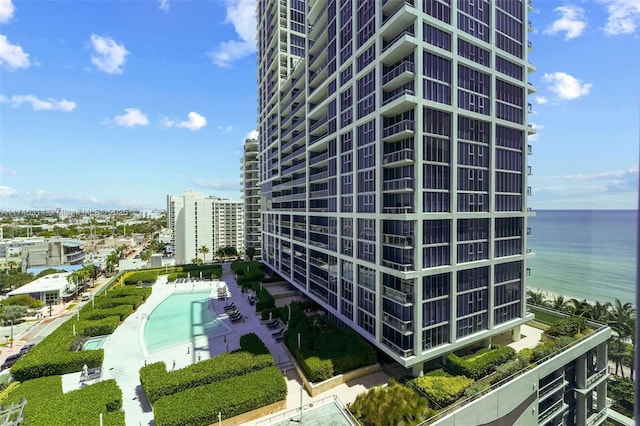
point(181, 318)
point(94, 343)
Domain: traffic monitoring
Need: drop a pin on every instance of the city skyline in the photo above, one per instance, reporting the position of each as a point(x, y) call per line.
point(115, 104)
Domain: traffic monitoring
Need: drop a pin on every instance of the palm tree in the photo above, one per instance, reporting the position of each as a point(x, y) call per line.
point(112, 261)
point(537, 297)
point(599, 312)
point(204, 250)
point(622, 320)
point(92, 271)
point(617, 352)
point(559, 304)
point(580, 307)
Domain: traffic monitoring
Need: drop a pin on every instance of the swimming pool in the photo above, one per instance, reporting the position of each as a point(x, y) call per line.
point(181, 318)
point(94, 343)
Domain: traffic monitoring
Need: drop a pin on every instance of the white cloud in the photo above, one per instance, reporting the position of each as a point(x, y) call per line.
point(133, 117)
point(225, 129)
point(541, 100)
point(6, 191)
point(49, 104)
point(242, 14)
point(164, 5)
point(110, 56)
point(194, 122)
point(624, 16)
point(6, 11)
point(252, 135)
point(12, 56)
point(572, 22)
point(4, 171)
point(565, 86)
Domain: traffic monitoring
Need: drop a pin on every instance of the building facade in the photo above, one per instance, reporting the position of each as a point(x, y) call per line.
point(198, 221)
point(251, 196)
point(393, 165)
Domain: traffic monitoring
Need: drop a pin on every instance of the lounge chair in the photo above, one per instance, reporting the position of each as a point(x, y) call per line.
point(235, 315)
point(273, 326)
point(272, 322)
point(230, 307)
point(280, 338)
point(278, 333)
point(231, 312)
point(237, 319)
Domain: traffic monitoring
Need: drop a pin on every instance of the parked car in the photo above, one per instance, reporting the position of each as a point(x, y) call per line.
point(26, 348)
point(11, 359)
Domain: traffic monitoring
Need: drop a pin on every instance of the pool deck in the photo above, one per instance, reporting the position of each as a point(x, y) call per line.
point(124, 352)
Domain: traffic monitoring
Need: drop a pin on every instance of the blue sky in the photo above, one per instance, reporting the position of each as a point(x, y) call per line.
point(115, 104)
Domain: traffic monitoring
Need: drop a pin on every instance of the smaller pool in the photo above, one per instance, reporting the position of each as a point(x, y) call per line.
point(94, 343)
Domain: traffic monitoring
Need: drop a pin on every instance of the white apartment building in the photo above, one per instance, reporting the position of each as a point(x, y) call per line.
point(197, 220)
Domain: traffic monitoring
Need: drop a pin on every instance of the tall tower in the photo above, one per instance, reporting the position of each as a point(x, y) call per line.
point(251, 195)
point(393, 165)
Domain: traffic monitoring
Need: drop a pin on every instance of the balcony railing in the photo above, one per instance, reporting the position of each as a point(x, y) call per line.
point(406, 66)
point(398, 266)
point(394, 157)
point(398, 209)
point(398, 324)
point(397, 295)
point(398, 184)
point(404, 125)
point(397, 349)
point(397, 240)
point(549, 387)
point(387, 44)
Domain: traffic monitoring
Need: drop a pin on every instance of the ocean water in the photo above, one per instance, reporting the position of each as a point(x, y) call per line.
point(586, 254)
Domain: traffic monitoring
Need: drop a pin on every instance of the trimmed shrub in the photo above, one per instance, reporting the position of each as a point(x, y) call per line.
point(253, 344)
point(145, 277)
point(145, 292)
point(391, 405)
point(476, 388)
point(121, 311)
point(315, 368)
point(481, 365)
point(111, 302)
point(157, 382)
point(231, 397)
point(443, 390)
point(48, 406)
point(567, 327)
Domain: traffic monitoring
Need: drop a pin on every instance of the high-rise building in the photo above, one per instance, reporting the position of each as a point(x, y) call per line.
point(393, 165)
point(199, 221)
point(251, 196)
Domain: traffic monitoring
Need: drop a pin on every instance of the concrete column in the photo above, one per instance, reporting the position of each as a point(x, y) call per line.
point(601, 389)
point(602, 356)
point(516, 332)
point(581, 372)
point(417, 370)
point(581, 409)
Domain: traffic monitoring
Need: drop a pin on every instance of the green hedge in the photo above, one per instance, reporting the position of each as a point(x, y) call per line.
point(325, 350)
point(146, 277)
point(48, 406)
point(253, 344)
point(545, 349)
point(315, 368)
point(158, 382)
point(252, 356)
point(145, 292)
point(99, 327)
point(480, 365)
point(567, 327)
point(231, 397)
point(443, 390)
point(111, 302)
point(265, 300)
point(122, 311)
